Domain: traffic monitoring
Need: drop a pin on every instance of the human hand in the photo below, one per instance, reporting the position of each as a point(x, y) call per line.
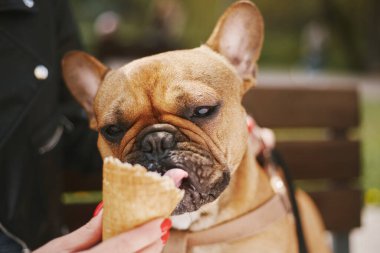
point(148, 238)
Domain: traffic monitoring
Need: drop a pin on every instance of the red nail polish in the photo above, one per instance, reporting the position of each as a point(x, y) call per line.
point(165, 237)
point(166, 225)
point(98, 208)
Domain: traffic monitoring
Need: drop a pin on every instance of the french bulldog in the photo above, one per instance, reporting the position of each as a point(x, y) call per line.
point(179, 113)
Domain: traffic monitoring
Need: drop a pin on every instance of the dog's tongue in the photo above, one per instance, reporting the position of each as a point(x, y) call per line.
point(177, 175)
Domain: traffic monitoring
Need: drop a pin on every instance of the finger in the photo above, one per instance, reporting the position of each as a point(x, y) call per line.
point(132, 241)
point(155, 247)
point(86, 236)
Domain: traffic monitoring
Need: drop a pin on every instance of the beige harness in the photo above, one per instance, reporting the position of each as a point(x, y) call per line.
point(242, 227)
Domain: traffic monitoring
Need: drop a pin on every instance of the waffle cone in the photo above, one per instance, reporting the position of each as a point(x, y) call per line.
point(133, 196)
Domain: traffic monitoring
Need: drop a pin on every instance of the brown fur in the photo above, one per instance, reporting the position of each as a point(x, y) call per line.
point(160, 88)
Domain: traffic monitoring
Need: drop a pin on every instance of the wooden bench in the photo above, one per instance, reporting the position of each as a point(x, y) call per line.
point(328, 165)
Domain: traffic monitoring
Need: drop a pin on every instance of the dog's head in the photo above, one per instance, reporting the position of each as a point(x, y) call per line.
point(177, 110)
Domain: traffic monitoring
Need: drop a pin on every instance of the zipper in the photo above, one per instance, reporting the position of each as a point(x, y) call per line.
point(25, 248)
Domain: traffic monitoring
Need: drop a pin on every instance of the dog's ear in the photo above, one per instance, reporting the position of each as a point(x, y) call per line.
point(238, 36)
point(83, 75)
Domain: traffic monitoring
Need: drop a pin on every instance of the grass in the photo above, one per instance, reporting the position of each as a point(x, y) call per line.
point(370, 134)
point(82, 197)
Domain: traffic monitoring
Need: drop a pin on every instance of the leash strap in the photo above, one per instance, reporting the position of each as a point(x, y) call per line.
point(245, 226)
point(277, 159)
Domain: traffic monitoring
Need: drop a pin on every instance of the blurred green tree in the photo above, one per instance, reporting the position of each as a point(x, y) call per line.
point(353, 27)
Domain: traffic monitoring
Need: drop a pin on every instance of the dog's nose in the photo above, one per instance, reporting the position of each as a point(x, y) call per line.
point(156, 140)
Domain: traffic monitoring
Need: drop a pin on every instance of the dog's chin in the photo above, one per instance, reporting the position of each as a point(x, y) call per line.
point(194, 198)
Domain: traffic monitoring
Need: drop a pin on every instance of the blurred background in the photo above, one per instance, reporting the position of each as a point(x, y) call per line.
point(317, 34)
point(314, 41)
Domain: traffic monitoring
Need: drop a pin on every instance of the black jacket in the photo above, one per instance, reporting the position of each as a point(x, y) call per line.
point(34, 35)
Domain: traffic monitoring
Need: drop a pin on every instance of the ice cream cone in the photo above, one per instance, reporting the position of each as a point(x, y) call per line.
point(133, 196)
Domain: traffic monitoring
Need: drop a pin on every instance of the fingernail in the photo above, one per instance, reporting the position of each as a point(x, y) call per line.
point(166, 225)
point(98, 208)
point(165, 237)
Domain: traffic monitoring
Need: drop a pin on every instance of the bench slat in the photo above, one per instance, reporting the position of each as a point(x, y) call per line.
point(276, 107)
point(321, 159)
point(340, 209)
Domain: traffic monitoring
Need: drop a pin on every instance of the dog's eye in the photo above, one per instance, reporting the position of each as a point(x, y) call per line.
point(113, 133)
point(203, 111)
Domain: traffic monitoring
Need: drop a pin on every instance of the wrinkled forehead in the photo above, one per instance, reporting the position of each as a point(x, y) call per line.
point(185, 76)
point(200, 65)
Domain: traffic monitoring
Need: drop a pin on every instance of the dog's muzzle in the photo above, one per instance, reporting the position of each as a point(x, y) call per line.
point(163, 148)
